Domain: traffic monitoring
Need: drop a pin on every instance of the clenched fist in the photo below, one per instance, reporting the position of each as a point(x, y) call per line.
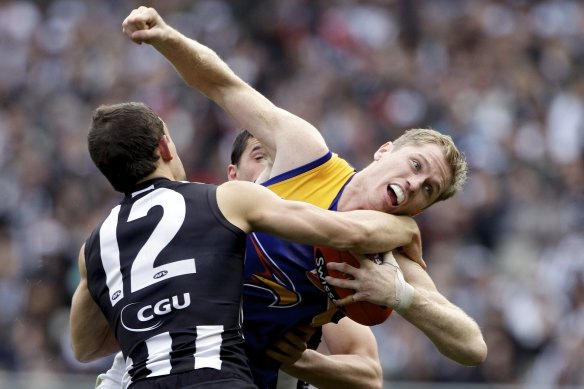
point(145, 25)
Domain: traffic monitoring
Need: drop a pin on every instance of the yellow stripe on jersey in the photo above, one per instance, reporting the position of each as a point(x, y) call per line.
point(319, 185)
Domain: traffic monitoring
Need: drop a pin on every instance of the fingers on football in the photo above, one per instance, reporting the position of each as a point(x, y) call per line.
point(345, 301)
point(305, 331)
point(342, 283)
point(287, 351)
point(276, 355)
point(343, 268)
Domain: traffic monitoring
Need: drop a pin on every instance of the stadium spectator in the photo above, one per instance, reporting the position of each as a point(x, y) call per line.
point(504, 78)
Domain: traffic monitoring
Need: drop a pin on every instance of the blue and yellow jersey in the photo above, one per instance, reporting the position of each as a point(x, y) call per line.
point(280, 288)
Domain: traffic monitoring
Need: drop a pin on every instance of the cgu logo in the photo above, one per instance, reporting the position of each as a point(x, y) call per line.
point(150, 312)
point(163, 307)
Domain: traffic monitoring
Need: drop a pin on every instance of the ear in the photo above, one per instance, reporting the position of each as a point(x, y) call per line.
point(164, 149)
point(231, 172)
point(382, 150)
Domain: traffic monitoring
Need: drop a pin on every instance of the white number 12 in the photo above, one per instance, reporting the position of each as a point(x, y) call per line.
point(143, 273)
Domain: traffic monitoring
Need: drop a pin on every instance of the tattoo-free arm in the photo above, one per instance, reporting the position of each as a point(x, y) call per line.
point(91, 336)
point(453, 332)
point(352, 361)
point(288, 139)
point(252, 207)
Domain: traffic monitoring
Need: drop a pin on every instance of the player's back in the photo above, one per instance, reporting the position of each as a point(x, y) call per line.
point(166, 269)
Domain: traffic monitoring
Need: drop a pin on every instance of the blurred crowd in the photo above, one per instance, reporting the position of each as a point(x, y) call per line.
point(505, 78)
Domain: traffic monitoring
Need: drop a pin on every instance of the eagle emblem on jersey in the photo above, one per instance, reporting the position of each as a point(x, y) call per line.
point(272, 279)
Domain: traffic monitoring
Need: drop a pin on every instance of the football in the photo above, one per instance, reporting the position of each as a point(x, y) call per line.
point(362, 312)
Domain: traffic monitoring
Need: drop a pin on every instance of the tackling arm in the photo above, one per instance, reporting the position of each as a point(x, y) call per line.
point(252, 207)
point(91, 336)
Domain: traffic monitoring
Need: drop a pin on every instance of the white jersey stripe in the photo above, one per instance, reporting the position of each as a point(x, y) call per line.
point(127, 378)
point(208, 352)
point(159, 346)
point(110, 256)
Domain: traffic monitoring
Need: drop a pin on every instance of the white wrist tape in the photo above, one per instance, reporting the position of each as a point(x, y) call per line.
point(404, 292)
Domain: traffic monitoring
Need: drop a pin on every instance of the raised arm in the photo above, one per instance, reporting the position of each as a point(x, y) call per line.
point(252, 207)
point(289, 139)
point(453, 332)
point(91, 336)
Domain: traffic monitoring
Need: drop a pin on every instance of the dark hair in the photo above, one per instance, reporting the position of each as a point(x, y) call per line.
point(122, 142)
point(239, 145)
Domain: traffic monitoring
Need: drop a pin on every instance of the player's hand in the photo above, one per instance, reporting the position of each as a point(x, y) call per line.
point(291, 347)
point(381, 284)
point(145, 25)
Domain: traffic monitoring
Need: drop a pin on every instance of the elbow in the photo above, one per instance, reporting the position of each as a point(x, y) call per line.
point(82, 355)
point(467, 351)
point(370, 384)
point(373, 377)
point(479, 353)
point(476, 353)
point(85, 352)
point(377, 382)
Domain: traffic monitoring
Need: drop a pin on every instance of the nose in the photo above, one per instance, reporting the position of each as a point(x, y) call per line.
point(414, 184)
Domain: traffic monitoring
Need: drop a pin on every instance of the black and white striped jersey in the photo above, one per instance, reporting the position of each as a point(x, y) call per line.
point(166, 269)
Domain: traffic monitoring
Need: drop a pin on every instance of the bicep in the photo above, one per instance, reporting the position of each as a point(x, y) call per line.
point(252, 207)
point(82, 304)
point(91, 336)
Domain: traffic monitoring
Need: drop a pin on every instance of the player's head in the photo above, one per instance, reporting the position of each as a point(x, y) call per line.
point(419, 168)
point(454, 159)
point(248, 158)
point(128, 142)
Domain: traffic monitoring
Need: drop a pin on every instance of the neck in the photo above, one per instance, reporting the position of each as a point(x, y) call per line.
point(349, 198)
point(158, 173)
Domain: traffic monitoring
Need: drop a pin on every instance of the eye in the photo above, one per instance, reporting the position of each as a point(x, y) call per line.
point(428, 189)
point(417, 165)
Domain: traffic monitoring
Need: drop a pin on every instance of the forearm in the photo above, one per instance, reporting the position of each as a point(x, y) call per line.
point(377, 232)
point(416, 298)
point(202, 68)
point(453, 332)
point(358, 231)
point(336, 371)
point(197, 64)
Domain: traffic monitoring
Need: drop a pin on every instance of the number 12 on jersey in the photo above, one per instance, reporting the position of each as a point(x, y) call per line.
point(143, 273)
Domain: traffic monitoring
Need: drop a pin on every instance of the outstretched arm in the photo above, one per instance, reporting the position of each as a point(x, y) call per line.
point(453, 332)
point(253, 207)
point(91, 336)
point(289, 139)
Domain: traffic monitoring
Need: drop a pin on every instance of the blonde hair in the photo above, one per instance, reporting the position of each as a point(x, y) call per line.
point(454, 158)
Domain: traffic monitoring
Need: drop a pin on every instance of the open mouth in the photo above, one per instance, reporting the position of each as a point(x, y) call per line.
point(396, 194)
